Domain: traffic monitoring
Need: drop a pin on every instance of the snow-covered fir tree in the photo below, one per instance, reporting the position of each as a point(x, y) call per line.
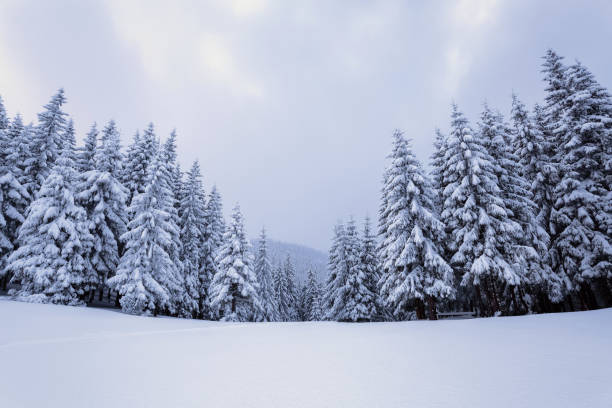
point(51, 263)
point(18, 151)
point(476, 218)
point(85, 160)
point(337, 273)
point(14, 198)
point(234, 289)
point(527, 248)
point(139, 157)
point(411, 252)
point(291, 289)
point(263, 271)
point(370, 265)
point(147, 277)
point(192, 224)
point(212, 237)
point(313, 297)
point(356, 298)
point(47, 142)
point(582, 211)
point(104, 198)
point(280, 294)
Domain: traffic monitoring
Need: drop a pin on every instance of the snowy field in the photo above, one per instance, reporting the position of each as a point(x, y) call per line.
point(56, 356)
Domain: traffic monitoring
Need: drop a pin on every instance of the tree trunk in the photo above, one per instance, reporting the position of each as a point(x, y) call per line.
point(431, 302)
point(420, 309)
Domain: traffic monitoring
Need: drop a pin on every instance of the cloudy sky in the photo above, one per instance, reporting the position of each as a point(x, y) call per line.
point(290, 105)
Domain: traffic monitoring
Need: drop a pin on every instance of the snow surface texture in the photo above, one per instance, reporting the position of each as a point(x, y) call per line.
point(57, 356)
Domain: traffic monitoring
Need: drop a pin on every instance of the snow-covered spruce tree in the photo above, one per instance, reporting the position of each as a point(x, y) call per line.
point(355, 300)
point(476, 217)
point(85, 160)
point(414, 270)
point(147, 277)
point(371, 265)
point(51, 263)
point(534, 154)
point(47, 142)
point(263, 271)
point(313, 297)
point(104, 198)
point(212, 237)
point(192, 230)
point(525, 249)
point(18, 149)
point(582, 212)
point(437, 165)
point(13, 200)
point(337, 273)
point(280, 294)
point(234, 289)
point(292, 291)
point(140, 155)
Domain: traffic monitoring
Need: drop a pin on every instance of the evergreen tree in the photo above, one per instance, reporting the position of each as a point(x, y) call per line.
point(476, 217)
point(147, 277)
point(86, 154)
point(192, 231)
point(13, 198)
point(263, 271)
point(370, 265)
point(291, 290)
point(50, 263)
point(140, 155)
point(17, 151)
point(4, 120)
point(104, 199)
point(47, 142)
point(212, 238)
point(336, 279)
point(281, 298)
point(414, 269)
point(520, 248)
point(356, 295)
point(234, 289)
point(582, 213)
point(535, 166)
point(313, 298)
point(437, 165)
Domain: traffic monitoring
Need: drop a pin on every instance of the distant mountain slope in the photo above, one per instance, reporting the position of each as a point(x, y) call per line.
point(302, 257)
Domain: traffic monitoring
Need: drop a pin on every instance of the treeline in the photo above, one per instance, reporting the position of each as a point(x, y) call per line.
point(513, 218)
point(79, 224)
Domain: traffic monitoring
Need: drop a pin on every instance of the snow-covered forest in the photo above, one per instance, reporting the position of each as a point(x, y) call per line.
point(514, 216)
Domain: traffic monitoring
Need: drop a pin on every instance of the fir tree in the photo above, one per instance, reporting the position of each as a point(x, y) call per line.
point(337, 274)
point(370, 265)
point(520, 248)
point(581, 216)
point(291, 290)
point(356, 295)
point(281, 297)
point(476, 217)
point(47, 142)
point(140, 155)
point(234, 289)
point(192, 230)
point(212, 237)
point(263, 271)
point(13, 199)
point(104, 198)
point(414, 269)
point(147, 276)
point(86, 154)
point(50, 263)
point(313, 297)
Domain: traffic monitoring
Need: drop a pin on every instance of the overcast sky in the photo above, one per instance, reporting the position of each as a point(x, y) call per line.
point(290, 105)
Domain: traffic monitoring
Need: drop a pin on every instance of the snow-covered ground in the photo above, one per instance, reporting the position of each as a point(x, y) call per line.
point(54, 356)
